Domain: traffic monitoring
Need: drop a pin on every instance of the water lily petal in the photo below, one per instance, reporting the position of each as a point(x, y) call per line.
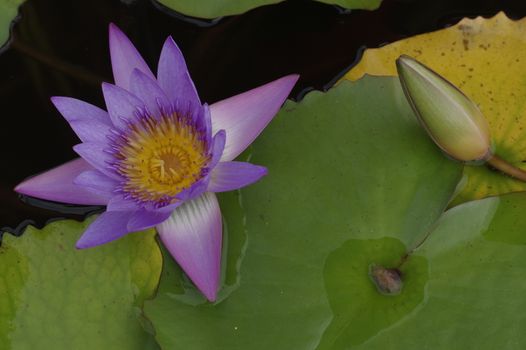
point(121, 104)
point(144, 219)
point(228, 176)
point(173, 75)
point(91, 131)
point(58, 185)
point(195, 190)
point(170, 207)
point(125, 58)
point(218, 146)
point(106, 228)
point(244, 116)
point(119, 203)
point(95, 154)
point(149, 92)
point(76, 110)
point(204, 121)
point(96, 180)
point(192, 234)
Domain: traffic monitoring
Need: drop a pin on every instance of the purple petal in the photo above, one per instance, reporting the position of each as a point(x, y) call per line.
point(96, 180)
point(91, 131)
point(143, 219)
point(192, 234)
point(195, 190)
point(169, 208)
point(228, 176)
point(121, 104)
point(77, 110)
point(244, 116)
point(173, 75)
point(106, 228)
point(125, 58)
point(95, 154)
point(149, 92)
point(218, 146)
point(57, 185)
point(120, 203)
point(204, 121)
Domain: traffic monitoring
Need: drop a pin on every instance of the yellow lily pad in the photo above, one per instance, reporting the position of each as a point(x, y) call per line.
point(486, 59)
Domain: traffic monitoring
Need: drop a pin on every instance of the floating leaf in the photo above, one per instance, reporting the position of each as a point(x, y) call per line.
point(8, 11)
point(476, 282)
point(348, 169)
point(214, 8)
point(53, 296)
point(485, 58)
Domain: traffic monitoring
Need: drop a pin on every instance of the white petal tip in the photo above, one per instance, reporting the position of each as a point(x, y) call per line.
point(211, 297)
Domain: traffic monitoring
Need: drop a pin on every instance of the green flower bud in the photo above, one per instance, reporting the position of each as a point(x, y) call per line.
point(452, 120)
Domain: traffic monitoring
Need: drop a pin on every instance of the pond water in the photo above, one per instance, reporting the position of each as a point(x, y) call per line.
point(59, 47)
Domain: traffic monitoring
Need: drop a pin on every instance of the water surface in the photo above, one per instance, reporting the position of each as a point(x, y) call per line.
point(60, 47)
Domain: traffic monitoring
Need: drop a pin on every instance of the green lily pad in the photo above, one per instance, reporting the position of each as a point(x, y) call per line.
point(214, 8)
point(352, 295)
point(344, 166)
point(53, 296)
point(475, 292)
point(8, 12)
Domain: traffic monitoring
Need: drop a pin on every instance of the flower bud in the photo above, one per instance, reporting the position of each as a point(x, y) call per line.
point(452, 120)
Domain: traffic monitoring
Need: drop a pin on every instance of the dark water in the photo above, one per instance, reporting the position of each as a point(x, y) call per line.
point(60, 47)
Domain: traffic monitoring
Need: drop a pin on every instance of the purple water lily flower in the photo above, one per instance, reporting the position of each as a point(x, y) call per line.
point(158, 155)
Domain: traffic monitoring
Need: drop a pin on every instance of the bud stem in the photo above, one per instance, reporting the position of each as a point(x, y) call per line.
point(507, 168)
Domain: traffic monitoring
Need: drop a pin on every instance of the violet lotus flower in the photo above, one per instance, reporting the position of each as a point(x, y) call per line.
point(158, 155)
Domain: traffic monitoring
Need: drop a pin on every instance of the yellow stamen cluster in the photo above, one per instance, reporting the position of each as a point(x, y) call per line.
point(161, 157)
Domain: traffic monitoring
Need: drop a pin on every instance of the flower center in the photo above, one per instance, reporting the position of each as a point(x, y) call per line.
point(160, 157)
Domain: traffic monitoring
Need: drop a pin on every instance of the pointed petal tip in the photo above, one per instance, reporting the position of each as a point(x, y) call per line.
point(209, 290)
point(73, 109)
point(192, 235)
point(171, 44)
point(211, 295)
point(288, 82)
point(22, 188)
point(57, 185)
point(107, 227)
point(230, 176)
point(114, 30)
point(173, 75)
point(28, 187)
point(58, 101)
point(84, 243)
point(170, 41)
point(244, 116)
point(81, 245)
point(220, 133)
point(294, 77)
point(124, 57)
